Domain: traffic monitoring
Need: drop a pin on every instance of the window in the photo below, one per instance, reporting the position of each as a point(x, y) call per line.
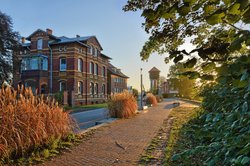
point(65, 48)
point(103, 71)
point(93, 50)
point(96, 69)
point(34, 64)
point(63, 64)
point(43, 89)
point(62, 86)
point(80, 65)
point(60, 48)
point(40, 44)
point(91, 67)
point(90, 49)
point(32, 85)
point(92, 88)
point(96, 52)
point(96, 88)
point(80, 87)
point(103, 89)
point(44, 63)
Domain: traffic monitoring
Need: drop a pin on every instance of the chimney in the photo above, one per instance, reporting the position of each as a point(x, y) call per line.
point(49, 31)
point(23, 39)
point(77, 36)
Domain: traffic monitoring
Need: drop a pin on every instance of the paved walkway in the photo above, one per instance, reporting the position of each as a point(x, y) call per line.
point(119, 143)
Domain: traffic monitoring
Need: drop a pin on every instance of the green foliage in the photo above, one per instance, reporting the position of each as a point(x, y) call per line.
point(165, 95)
point(212, 25)
point(135, 92)
point(8, 46)
point(185, 86)
point(223, 130)
point(59, 98)
point(221, 60)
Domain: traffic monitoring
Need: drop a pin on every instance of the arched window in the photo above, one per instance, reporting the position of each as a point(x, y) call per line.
point(103, 71)
point(103, 89)
point(96, 69)
point(62, 86)
point(96, 88)
point(80, 65)
point(91, 67)
point(80, 87)
point(92, 88)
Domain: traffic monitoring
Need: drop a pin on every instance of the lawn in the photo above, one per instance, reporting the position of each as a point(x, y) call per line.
point(85, 107)
point(177, 141)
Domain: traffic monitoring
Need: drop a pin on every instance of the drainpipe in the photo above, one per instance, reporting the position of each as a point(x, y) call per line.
point(50, 69)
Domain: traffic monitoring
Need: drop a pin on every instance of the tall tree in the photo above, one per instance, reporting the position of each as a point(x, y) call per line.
point(8, 46)
point(213, 25)
point(185, 86)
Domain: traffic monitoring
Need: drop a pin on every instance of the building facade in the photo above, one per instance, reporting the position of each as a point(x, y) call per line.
point(50, 64)
point(117, 81)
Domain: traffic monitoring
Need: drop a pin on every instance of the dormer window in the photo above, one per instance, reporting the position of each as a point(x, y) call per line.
point(40, 44)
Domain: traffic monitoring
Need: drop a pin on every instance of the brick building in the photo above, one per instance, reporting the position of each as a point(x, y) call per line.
point(50, 64)
point(117, 81)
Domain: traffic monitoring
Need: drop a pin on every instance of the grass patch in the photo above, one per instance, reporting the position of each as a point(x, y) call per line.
point(178, 141)
point(85, 107)
point(53, 148)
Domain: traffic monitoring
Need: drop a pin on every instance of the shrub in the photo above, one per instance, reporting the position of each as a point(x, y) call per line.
point(29, 122)
point(59, 97)
point(122, 105)
point(165, 95)
point(151, 99)
point(159, 98)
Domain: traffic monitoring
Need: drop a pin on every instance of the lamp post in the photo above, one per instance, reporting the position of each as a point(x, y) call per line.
point(141, 90)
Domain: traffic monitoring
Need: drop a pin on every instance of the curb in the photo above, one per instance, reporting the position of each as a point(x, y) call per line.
point(105, 122)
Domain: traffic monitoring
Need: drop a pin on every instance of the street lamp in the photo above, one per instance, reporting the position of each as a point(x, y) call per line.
point(141, 90)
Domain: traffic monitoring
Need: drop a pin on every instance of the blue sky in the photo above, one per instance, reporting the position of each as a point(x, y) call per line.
point(120, 34)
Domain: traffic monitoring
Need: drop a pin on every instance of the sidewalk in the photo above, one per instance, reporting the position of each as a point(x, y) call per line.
point(119, 143)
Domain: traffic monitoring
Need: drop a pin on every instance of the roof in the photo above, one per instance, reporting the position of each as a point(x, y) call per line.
point(115, 71)
point(29, 37)
point(154, 69)
point(25, 44)
point(105, 56)
point(35, 55)
point(64, 39)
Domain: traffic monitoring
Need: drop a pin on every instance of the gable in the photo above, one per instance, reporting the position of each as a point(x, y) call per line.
point(93, 41)
point(40, 34)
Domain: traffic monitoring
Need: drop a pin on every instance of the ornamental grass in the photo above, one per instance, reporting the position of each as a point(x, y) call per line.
point(122, 105)
point(28, 122)
point(151, 99)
